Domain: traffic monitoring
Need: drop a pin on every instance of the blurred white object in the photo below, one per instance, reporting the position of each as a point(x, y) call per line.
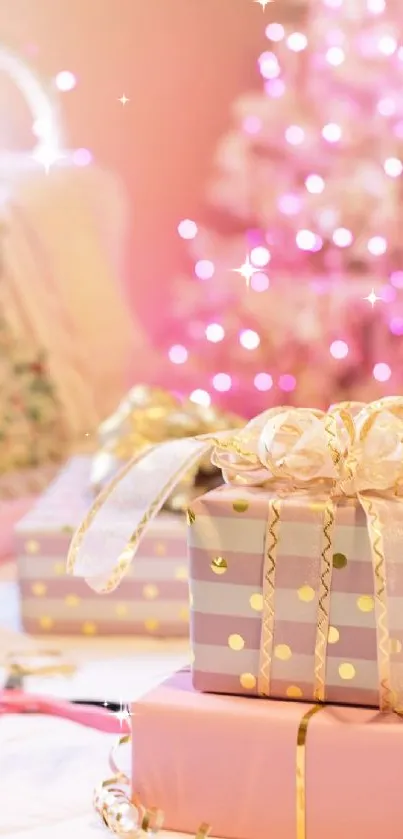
point(63, 238)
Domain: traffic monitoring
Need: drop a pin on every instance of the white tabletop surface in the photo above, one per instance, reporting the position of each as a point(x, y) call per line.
point(49, 766)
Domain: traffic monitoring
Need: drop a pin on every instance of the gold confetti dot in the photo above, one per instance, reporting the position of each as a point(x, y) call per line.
point(339, 560)
point(39, 589)
point(181, 572)
point(121, 610)
point(333, 635)
point(160, 548)
point(190, 517)
point(151, 625)
point(395, 646)
point(184, 613)
point(72, 600)
point(59, 569)
point(236, 642)
point(45, 622)
point(365, 603)
point(247, 681)
point(150, 592)
point(256, 602)
point(347, 671)
point(294, 692)
point(32, 546)
point(240, 506)
point(219, 565)
point(306, 593)
point(89, 628)
point(283, 652)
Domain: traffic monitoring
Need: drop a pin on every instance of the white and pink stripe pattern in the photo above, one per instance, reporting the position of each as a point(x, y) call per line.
point(223, 604)
point(153, 599)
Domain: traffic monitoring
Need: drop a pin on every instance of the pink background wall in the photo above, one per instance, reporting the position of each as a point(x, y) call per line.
point(181, 62)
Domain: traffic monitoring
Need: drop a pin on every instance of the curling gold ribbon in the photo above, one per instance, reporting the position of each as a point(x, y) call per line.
point(353, 450)
point(300, 784)
point(269, 581)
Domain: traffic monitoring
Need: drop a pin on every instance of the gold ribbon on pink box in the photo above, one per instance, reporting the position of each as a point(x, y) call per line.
point(352, 450)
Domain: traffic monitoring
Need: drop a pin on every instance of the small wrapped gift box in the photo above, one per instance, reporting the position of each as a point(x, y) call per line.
point(296, 563)
point(153, 599)
point(254, 770)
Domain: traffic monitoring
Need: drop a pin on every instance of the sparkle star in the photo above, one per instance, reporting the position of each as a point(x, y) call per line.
point(263, 3)
point(372, 298)
point(246, 271)
point(123, 99)
point(123, 715)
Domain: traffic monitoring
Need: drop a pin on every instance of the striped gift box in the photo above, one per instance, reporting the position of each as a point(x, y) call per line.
point(226, 541)
point(153, 599)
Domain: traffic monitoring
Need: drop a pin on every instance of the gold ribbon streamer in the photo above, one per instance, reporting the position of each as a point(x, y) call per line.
point(301, 771)
point(269, 577)
point(322, 627)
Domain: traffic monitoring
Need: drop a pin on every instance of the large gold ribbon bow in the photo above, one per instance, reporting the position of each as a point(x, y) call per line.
point(149, 415)
point(353, 450)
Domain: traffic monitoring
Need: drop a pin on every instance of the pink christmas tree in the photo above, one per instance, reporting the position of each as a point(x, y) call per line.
point(306, 200)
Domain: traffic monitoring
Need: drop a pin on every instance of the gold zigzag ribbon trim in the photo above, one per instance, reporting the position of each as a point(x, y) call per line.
point(381, 604)
point(269, 574)
point(322, 629)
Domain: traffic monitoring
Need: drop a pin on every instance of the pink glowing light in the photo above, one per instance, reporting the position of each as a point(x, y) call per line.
point(259, 282)
point(335, 56)
point(260, 256)
point(342, 237)
point(376, 7)
point(215, 333)
point(393, 167)
point(263, 381)
point(306, 240)
point(249, 339)
point(396, 278)
point(387, 45)
point(269, 66)
point(275, 88)
point(65, 80)
point(315, 184)
point(377, 245)
point(187, 229)
point(339, 349)
point(200, 397)
point(382, 372)
point(178, 354)
point(297, 41)
point(252, 125)
point(331, 132)
point(222, 382)
point(82, 157)
point(289, 204)
point(333, 4)
point(386, 107)
point(295, 135)
point(287, 383)
point(275, 32)
point(204, 269)
point(387, 294)
point(396, 326)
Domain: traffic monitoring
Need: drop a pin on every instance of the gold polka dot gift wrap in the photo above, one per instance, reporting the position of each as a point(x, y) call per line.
point(284, 598)
point(153, 599)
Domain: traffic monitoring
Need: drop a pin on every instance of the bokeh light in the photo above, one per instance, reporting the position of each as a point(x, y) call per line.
point(306, 240)
point(187, 229)
point(275, 31)
point(335, 56)
point(377, 245)
point(342, 237)
point(314, 184)
point(386, 106)
point(393, 167)
point(215, 333)
point(289, 204)
point(287, 383)
point(249, 339)
point(295, 135)
point(275, 88)
point(204, 269)
point(382, 372)
point(396, 325)
point(178, 354)
point(331, 132)
point(252, 125)
point(222, 382)
point(259, 282)
point(65, 80)
point(260, 256)
point(387, 45)
point(263, 381)
point(396, 278)
point(268, 65)
point(339, 349)
point(200, 397)
point(297, 41)
point(82, 157)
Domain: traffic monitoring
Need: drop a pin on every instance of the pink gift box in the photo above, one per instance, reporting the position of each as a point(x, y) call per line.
point(153, 599)
point(231, 762)
point(226, 542)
